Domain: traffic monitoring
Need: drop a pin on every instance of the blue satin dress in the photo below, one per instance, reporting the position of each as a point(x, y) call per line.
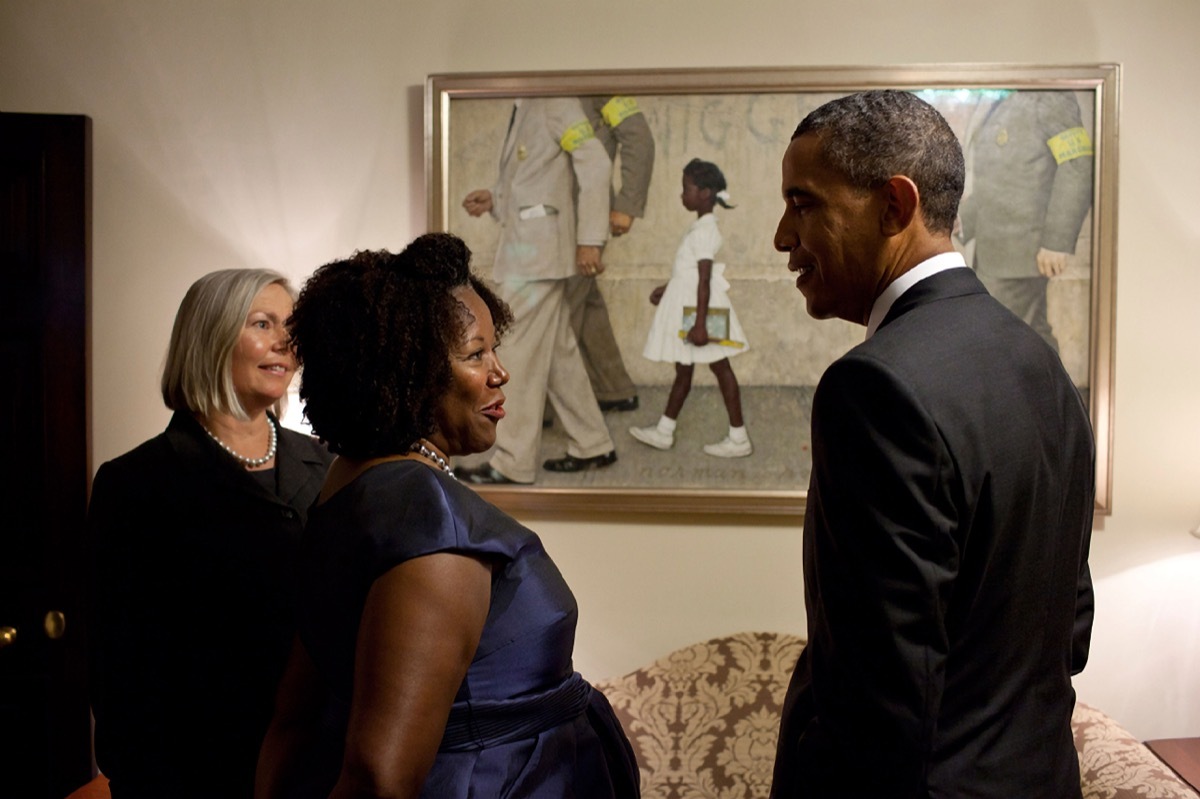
point(524, 723)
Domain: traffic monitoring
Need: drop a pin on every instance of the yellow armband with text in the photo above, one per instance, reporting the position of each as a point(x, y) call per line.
point(576, 135)
point(619, 109)
point(1072, 143)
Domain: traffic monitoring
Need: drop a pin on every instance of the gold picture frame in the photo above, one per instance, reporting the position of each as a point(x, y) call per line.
point(743, 119)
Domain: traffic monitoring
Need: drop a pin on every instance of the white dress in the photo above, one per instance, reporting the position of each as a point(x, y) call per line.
point(700, 243)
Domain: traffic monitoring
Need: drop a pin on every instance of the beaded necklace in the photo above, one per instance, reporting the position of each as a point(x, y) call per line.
point(249, 463)
point(429, 454)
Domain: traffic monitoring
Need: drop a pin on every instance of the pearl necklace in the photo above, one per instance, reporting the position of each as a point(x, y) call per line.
point(427, 453)
point(249, 463)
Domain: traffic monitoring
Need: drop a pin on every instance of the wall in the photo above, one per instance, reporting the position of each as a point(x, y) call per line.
point(288, 133)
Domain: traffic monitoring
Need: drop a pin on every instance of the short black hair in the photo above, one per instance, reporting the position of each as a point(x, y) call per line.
point(872, 136)
point(707, 175)
point(373, 336)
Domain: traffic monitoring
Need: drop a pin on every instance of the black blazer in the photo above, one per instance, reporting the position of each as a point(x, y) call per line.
point(191, 585)
point(945, 561)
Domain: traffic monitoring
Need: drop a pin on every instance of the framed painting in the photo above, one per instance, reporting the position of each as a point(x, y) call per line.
point(742, 120)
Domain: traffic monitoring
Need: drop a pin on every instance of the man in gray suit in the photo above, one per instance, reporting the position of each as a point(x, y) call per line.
point(1032, 188)
point(621, 127)
point(549, 231)
point(950, 504)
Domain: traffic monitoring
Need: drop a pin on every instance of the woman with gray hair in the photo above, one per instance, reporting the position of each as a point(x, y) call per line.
point(192, 538)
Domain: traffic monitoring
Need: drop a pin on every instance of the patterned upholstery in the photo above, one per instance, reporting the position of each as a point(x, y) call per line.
point(1115, 765)
point(704, 720)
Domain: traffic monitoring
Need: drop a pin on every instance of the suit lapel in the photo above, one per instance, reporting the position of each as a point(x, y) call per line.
point(210, 466)
point(293, 462)
point(510, 138)
point(201, 456)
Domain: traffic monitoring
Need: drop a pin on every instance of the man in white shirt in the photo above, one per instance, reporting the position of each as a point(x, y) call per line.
point(950, 505)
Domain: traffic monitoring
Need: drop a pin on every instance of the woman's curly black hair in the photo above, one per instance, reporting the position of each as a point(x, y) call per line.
point(373, 335)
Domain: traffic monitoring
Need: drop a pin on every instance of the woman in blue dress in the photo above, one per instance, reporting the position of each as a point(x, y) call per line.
point(435, 634)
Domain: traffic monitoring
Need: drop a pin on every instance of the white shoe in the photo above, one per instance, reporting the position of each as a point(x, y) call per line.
point(653, 437)
point(728, 448)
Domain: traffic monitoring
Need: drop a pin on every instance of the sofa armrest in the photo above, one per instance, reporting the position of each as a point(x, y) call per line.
point(1115, 765)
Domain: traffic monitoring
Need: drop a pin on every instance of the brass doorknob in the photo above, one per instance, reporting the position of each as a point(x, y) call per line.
point(8, 635)
point(55, 624)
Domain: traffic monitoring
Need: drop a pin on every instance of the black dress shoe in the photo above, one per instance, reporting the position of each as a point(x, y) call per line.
point(570, 463)
point(484, 475)
point(627, 404)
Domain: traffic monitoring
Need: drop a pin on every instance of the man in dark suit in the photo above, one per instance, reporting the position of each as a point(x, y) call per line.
point(950, 505)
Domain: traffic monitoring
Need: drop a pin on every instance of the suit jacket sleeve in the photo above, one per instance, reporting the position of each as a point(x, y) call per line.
point(592, 169)
point(881, 560)
point(1085, 598)
point(1085, 611)
point(125, 615)
point(636, 144)
point(104, 602)
point(1071, 191)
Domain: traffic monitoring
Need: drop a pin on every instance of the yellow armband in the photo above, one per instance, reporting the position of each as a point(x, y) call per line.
point(618, 109)
point(1072, 143)
point(576, 135)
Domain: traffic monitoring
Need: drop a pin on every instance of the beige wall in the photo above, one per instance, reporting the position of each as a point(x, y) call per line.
point(288, 133)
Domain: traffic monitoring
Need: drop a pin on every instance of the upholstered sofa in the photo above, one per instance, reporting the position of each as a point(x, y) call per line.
point(704, 719)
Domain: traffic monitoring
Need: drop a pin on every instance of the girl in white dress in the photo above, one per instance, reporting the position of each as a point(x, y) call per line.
point(695, 322)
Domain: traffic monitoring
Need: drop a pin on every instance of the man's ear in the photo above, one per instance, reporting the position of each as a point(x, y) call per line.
point(902, 202)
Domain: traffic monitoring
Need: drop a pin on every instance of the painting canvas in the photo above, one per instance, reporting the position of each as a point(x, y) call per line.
point(742, 120)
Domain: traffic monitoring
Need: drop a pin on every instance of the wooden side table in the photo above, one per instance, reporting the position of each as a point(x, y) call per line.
point(1182, 755)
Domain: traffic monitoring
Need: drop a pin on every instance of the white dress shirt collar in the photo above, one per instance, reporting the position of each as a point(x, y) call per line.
point(895, 289)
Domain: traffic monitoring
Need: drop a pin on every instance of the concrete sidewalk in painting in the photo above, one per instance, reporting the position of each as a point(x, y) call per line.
point(776, 419)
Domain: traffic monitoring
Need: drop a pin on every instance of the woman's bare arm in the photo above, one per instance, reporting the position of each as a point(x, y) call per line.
point(420, 628)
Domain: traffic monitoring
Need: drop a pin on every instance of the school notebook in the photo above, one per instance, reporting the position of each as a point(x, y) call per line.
point(716, 323)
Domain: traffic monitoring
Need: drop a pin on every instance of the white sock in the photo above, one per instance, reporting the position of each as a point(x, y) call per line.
point(666, 425)
point(738, 435)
